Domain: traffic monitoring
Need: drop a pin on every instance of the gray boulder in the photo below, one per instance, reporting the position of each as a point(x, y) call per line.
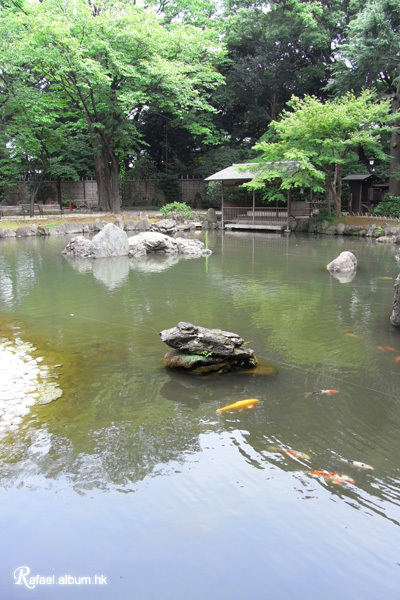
point(130, 225)
point(154, 241)
point(110, 241)
point(165, 226)
point(395, 316)
point(136, 249)
point(143, 224)
point(8, 233)
point(340, 228)
point(119, 222)
point(98, 225)
point(191, 247)
point(205, 350)
point(24, 232)
point(79, 246)
point(72, 228)
point(346, 261)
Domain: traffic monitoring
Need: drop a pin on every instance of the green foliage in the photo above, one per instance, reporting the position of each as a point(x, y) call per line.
point(390, 207)
point(174, 209)
point(102, 71)
point(321, 138)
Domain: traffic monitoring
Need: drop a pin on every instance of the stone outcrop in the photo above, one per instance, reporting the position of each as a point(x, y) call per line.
point(80, 247)
point(201, 350)
point(165, 226)
point(109, 242)
point(155, 242)
point(345, 262)
point(395, 316)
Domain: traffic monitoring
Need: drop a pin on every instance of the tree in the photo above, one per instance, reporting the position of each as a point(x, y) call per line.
point(370, 58)
point(274, 50)
point(323, 137)
point(114, 63)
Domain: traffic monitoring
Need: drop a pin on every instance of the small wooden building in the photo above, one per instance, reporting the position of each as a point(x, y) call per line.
point(363, 192)
point(266, 216)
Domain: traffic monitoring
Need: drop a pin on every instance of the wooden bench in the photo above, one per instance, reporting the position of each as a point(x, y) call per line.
point(25, 209)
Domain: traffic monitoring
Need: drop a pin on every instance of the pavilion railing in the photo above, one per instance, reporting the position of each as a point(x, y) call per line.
point(246, 214)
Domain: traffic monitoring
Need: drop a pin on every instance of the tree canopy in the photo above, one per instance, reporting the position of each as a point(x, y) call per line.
point(90, 88)
point(322, 136)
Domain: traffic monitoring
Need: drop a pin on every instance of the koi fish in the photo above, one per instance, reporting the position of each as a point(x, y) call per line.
point(385, 277)
point(327, 392)
point(358, 465)
point(352, 334)
point(397, 359)
point(239, 405)
point(337, 478)
point(294, 453)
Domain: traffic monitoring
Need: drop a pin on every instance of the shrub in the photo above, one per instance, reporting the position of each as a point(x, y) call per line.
point(176, 208)
point(390, 207)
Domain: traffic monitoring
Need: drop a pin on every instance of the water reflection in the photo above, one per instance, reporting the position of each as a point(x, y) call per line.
point(124, 424)
point(345, 277)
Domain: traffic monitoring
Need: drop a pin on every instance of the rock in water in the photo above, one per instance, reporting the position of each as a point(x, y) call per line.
point(346, 261)
point(203, 350)
point(110, 241)
point(395, 316)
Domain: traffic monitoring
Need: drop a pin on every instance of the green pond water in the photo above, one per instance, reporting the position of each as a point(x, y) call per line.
point(131, 479)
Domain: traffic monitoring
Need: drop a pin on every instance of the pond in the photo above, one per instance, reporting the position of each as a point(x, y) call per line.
point(132, 486)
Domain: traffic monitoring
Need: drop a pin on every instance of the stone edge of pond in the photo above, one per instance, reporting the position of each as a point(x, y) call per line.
point(382, 231)
point(25, 383)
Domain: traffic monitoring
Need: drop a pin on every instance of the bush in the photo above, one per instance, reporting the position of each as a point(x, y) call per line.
point(176, 208)
point(390, 207)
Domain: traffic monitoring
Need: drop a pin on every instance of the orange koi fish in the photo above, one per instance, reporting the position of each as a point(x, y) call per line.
point(328, 392)
point(398, 358)
point(294, 453)
point(239, 405)
point(337, 478)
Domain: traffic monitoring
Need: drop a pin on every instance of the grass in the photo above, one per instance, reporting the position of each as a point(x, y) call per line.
point(54, 221)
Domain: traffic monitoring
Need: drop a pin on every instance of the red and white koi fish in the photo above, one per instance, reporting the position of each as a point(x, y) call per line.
point(327, 392)
point(239, 405)
point(336, 478)
point(358, 465)
point(294, 453)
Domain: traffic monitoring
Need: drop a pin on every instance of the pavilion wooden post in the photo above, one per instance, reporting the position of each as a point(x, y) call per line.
point(289, 208)
point(254, 205)
point(222, 205)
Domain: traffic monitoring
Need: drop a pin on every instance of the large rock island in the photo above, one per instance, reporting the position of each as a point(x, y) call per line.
point(201, 350)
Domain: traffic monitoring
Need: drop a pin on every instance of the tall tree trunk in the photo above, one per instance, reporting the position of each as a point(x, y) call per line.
point(394, 177)
point(59, 193)
point(337, 189)
point(107, 177)
point(328, 194)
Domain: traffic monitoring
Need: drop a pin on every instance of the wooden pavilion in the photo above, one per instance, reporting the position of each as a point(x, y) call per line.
point(268, 216)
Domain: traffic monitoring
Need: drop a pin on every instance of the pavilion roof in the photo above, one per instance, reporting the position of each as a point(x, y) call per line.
point(243, 172)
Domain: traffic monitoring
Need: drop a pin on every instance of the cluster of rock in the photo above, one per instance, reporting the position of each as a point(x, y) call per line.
point(382, 233)
point(201, 350)
point(395, 316)
point(113, 241)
